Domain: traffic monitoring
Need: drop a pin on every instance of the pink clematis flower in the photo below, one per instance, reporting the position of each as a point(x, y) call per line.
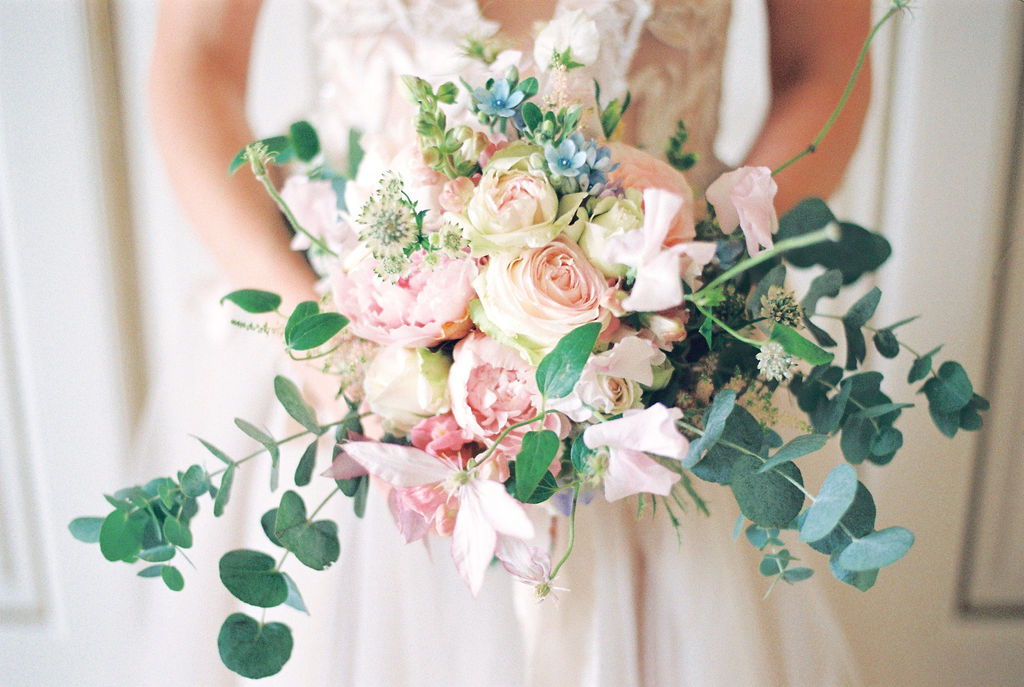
point(628, 439)
point(658, 268)
point(745, 198)
point(485, 509)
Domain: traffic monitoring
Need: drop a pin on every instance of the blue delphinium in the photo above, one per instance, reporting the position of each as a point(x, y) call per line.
point(499, 101)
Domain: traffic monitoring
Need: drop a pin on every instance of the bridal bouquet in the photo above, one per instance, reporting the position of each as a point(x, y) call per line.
point(521, 313)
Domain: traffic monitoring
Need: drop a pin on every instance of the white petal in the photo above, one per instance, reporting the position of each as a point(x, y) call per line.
point(399, 466)
point(504, 513)
point(652, 430)
point(632, 472)
point(473, 541)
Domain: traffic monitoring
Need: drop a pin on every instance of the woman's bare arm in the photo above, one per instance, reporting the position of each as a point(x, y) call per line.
point(197, 95)
point(814, 45)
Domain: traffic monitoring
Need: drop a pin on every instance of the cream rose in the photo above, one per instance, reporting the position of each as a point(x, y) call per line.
point(405, 385)
point(611, 217)
point(533, 299)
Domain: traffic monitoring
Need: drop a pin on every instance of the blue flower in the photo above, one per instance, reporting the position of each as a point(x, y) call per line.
point(567, 160)
point(499, 101)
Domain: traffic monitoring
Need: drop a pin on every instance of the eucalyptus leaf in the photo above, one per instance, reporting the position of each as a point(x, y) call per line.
point(886, 442)
point(291, 399)
point(252, 577)
point(151, 571)
point(861, 579)
point(538, 450)
point(195, 483)
point(950, 389)
point(886, 343)
point(121, 535)
point(177, 533)
point(267, 522)
point(218, 454)
point(307, 463)
point(294, 597)
point(881, 409)
point(922, 366)
point(359, 498)
point(797, 447)
point(859, 520)
point(835, 498)
point(742, 432)
point(254, 301)
point(86, 529)
point(224, 491)
point(776, 277)
point(714, 425)
point(793, 575)
point(827, 416)
point(157, 554)
point(856, 252)
point(560, 369)
point(825, 285)
point(172, 577)
point(855, 439)
point(251, 649)
point(315, 544)
point(771, 499)
point(876, 550)
point(861, 311)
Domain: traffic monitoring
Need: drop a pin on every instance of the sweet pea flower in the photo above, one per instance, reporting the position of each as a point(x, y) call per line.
point(573, 32)
point(639, 170)
point(658, 268)
point(484, 508)
point(629, 439)
point(745, 198)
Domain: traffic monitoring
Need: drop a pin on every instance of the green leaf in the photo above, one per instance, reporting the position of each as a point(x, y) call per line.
point(769, 499)
point(220, 455)
point(172, 578)
point(355, 152)
point(830, 412)
point(157, 554)
point(560, 369)
point(532, 116)
point(294, 597)
point(302, 311)
point(950, 390)
point(861, 311)
point(741, 429)
point(268, 522)
point(195, 483)
point(307, 463)
point(581, 456)
point(86, 529)
point(151, 571)
point(881, 409)
point(314, 543)
point(922, 366)
point(359, 498)
point(826, 285)
point(859, 520)
point(861, 579)
point(121, 535)
point(251, 649)
point(316, 330)
point(252, 577)
point(714, 425)
point(707, 328)
point(544, 490)
point(886, 442)
point(288, 395)
point(776, 276)
point(538, 450)
point(269, 444)
point(795, 344)
point(304, 140)
point(254, 301)
point(836, 496)
point(855, 440)
point(886, 343)
point(224, 491)
point(799, 446)
point(857, 251)
point(793, 575)
point(280, 146)
point(876, 550)
point(177, 533)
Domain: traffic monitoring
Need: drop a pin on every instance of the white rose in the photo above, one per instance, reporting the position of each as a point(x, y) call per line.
point(405, 385)
point(573, 31)
point(611, 217)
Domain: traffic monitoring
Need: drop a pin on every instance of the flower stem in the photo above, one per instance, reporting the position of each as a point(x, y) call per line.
point(572, 530)
point(825, 234)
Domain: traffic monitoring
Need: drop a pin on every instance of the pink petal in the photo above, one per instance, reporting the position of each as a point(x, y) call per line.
point(658, 285)
point(719, 195)
point(399, 466)
point(503, 513)
point(344, 466)
point(411, 524)
point(473, 541)
point(526, 563)
point(651, 430)
point(632, 472)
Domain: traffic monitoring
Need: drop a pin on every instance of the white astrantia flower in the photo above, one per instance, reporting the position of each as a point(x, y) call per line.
point(774, 363)
point(573, 32)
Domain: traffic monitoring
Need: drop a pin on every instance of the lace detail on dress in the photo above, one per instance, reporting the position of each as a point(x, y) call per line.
point(667, 53)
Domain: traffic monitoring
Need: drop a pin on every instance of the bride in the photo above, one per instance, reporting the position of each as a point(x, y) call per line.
point(645, 607)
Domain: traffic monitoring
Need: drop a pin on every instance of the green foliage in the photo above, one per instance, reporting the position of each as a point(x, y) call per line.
point(539, 449)
point(307, 463)
point(308, 330)
point(714, 426)
point(121, 535)
point(220, 501)
point(278, 146)
point(799, 446)
point(172, 578)
point(315, 544)
point(857, 251)
point(834, 499)
point(291, 399)
point(795, 344)
point(560, 369)
point(86, 529)
point(876, 550)
point(545, 489)
point(304, 140)
point(252, 577)
point(741, 436)
point(254, 301)
point(252, 649)
point(769, 499)
point(674, 149)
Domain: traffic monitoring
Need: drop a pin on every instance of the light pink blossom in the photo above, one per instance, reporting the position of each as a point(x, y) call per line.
point(484, 508)
point(745, 198)
point(641, 170)
point(629, 439)
point(314, 203)
point(426, 307)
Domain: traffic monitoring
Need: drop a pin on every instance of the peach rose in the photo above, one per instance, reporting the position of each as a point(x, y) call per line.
point(642, 171)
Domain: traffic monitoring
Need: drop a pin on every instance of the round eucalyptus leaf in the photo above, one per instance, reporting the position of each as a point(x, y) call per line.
point(836, 496)
point(861, 579)
point(86, 529)
point(177, 533)
point(769, 499)
point(172, 578)
point(253, 650)
point(859, 519)
point(194, 482)
point(252, 577)
point(876, 550)
point(121, 536)
point(267, 522)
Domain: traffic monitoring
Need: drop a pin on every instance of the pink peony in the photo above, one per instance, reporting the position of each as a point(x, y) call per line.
point(643, 171)
point(426, 307)
point(745, 198)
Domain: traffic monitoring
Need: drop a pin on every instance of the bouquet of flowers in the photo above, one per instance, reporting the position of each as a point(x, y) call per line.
point(520, 312)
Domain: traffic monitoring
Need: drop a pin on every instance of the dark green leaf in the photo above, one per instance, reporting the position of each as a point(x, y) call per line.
point(544, 490)
point(836, 496)
point(776, 277)
point(253, 650)
point(532, 116)
point(121, 535)
point(254, 301)
point(581, 456)
point(950, 390)
point(304, 140)
point(359, 498)
point(538, 450)
point(856, 346)
point(857, 251)
point(268, 522)
point(220, 455)
point(355, 152)
point(769, 499)
point(304, 470)
point(151, 571)
point(741, 429)
point(302, 311)
point(855, 440)
point(252, 577)
point(830, 412)
point(876, 550)
point(315, 544)
point(862, 579)
point(560, 369)
point(289, 397)
point(707, 328)
point(714, 425)
point(795, 344)
point(922, 366)
point(793, 575)
point(224, 491)
point(826, 285)
point(886, 442)
point(861, 311)
point(886, 343)
point(86, 529)
point(157, 554)
point(947, 423)
point(172, 578)
point(799, 446)
point(316, 330)
point(195, 483)
point(881, 409)
point(177, 533)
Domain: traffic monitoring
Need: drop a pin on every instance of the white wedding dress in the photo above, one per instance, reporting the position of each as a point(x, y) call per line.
point(643, 606)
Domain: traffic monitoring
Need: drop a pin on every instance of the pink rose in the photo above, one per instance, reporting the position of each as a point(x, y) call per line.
point(426, 307)
point(745, 198)
point(642, 171)
point(539, 295)
point(492, 387)
point(455, 194)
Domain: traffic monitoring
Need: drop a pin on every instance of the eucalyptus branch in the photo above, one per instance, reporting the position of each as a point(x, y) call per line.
point(821, 235)
point(897, 6)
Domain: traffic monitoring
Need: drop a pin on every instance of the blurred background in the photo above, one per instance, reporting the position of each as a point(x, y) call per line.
point(103, 290)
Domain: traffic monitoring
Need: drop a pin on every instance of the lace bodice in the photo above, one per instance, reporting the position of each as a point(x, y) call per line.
point(667, 53)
